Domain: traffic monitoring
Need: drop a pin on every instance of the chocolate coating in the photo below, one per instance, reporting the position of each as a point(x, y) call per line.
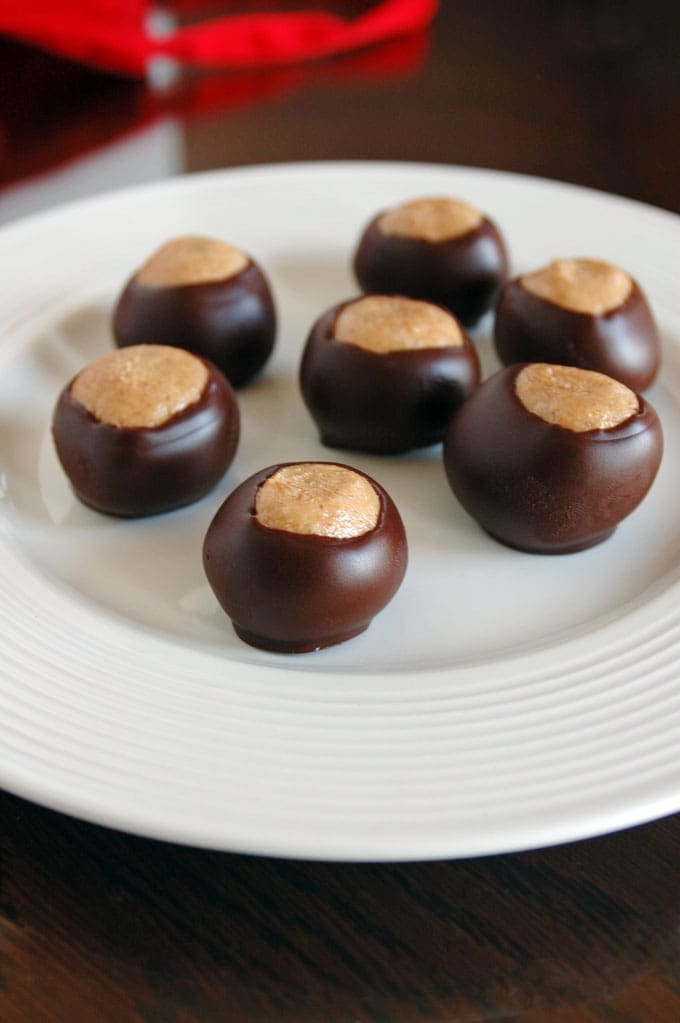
point(622, 343)
point(463, 274)
point(141, 471)
point(232, 323)
point(384, 403)
point(292, 592)
point(543, 488)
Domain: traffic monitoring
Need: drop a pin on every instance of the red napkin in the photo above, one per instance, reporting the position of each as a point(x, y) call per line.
point(116, 34)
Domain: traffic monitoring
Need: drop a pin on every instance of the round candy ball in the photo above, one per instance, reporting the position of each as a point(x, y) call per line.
point(303, 555)
point(386, 373)
point(145, 429)
point(203, 295)
point(437, 249)
point(579, 312)
point(549, 459)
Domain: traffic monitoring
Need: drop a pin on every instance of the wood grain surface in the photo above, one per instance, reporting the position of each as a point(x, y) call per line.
point(102, 927)
point(96, 925)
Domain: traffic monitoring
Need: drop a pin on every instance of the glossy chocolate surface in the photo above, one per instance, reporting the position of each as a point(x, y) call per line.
point(463, 274)
point(383, 403)
point(543, 488)
point(292, 592)
point(142, 471)
point(232, 323)
point(622, 343)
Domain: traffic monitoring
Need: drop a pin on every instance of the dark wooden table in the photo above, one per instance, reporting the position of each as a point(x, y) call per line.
point(109, 928)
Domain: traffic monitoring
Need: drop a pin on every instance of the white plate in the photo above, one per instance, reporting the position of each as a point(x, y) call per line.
point(501, 701)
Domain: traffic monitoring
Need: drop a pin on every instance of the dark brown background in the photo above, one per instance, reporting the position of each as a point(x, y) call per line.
point(586, 91)
point(106, 928)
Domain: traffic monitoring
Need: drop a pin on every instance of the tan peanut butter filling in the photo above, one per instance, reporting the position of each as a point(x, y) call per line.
point(581, 285)
point(435, 219)
point(384, 323)
point(318, 498)
point(140, 387)
point(576, 399)
point(191, 259)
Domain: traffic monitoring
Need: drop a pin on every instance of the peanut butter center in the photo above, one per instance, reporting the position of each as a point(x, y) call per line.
point(434, 219)
point(576, 399)
point(191, 260)
point(382, 324)
point(140, 387)
point(581, 285)
point(318, 498)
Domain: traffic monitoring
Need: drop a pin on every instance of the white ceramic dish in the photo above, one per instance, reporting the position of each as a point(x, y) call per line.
point(501, 701)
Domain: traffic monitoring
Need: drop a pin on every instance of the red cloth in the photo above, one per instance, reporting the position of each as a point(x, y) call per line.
point(114, 34)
